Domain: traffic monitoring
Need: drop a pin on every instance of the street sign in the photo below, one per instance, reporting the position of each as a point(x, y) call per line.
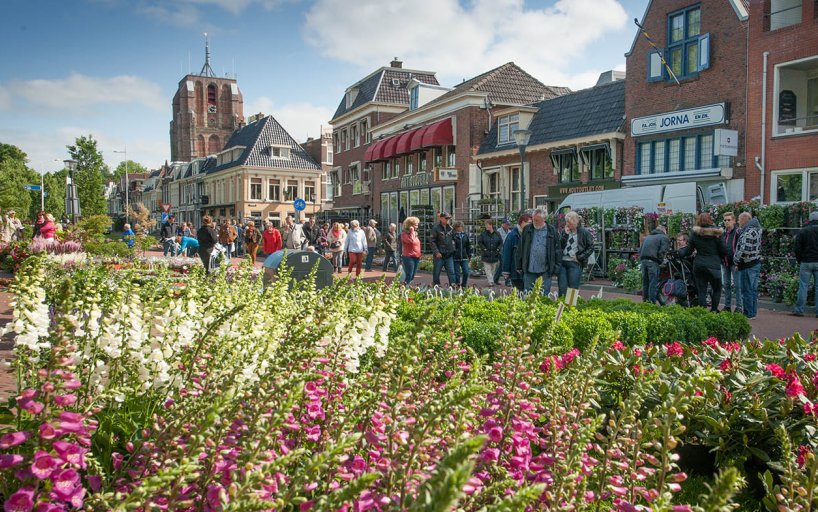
point(165, 217)
point(33, 187)
point(165, 208)
point(300, 205)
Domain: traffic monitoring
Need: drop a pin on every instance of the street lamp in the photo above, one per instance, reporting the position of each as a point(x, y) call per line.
point(127, 202)
point(70, 191)
point(522, 137)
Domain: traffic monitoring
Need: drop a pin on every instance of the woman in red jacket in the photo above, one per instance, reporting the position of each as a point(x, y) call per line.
point(272, 239)
point(410, 249)
point(48, 230)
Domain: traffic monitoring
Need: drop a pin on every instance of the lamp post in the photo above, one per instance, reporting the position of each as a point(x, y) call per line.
point(70, 191)
point(127, 202)
point(522, 137)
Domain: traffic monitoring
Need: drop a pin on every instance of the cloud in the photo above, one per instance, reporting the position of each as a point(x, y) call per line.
point(188, 13)
point(46, 149)
point(81, 91)
point(462, 41)
point(301, 120)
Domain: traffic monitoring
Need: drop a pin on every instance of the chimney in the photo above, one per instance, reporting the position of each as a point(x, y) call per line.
point(396, 63)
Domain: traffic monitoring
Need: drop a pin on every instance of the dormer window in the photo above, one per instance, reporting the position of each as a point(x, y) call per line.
point(351, 95)
point(414, 96)
point(507, 125)
point(279, 152)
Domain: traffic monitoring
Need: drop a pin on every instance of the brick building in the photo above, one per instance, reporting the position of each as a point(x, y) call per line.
point(782, 114)
point(675, 130)
point(375, 99)
point(424, 155)
point(575, 146)
point(321, 151)
point(206, 112)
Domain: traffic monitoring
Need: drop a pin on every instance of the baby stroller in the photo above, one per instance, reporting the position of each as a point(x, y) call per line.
point(676, 284)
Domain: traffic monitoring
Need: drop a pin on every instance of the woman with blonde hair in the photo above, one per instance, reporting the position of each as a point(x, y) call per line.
point(355, 247)
point(336, 239)
point(410, 249)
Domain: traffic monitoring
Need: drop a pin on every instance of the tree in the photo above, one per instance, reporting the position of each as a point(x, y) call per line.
point(133, 168)
point(55, 193)
point(14, 176)
point(89, 176)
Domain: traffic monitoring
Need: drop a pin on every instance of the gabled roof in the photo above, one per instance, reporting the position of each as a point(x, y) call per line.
point(256, 138)
point(508, 84)
point(741, 8)
point(386, 85)
point(593, 111)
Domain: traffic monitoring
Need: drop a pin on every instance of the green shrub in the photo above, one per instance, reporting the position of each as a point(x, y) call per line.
point(632, 327)
point(688, 324)
point(726, 326)
point(111, 249)
point(589, 328)
point(547, 335)
point(662, 328)
point(632, 280)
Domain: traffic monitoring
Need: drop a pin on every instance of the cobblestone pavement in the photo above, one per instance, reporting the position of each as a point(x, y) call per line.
point(773, 320)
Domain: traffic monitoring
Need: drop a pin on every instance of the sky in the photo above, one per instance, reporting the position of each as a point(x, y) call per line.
point(110, 68)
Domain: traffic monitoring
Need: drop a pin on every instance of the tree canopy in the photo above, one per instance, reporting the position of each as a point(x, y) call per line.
point(14, 176)
point(89, 176)
point(133, 168)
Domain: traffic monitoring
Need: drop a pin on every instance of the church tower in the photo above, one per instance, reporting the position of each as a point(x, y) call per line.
point(206, 111)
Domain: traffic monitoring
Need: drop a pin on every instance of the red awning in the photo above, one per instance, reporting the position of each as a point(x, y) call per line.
point(438, 134)
point(375, 152)
point(404, 142)
point(417, 138)
point(389, 147)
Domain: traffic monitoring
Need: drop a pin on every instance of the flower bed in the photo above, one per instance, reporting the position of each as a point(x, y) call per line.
point(220, 395)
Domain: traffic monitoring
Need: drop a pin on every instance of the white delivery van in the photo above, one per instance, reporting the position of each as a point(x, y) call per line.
point(671, 198)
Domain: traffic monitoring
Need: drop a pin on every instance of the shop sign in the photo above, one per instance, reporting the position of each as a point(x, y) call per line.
point(725, 142)
point(564, 190)
point(447, 175)
point(415, 180)
point(679, 120)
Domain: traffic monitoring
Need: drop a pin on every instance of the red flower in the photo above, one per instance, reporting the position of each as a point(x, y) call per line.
point(726, 365)
point(803, 451)
point(674, 349)
point(776, 370)
point(794, 387)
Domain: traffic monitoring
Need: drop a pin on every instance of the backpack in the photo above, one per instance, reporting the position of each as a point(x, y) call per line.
point(675, 288)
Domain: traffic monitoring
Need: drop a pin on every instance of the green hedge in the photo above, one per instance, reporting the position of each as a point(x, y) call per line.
point(481, 321)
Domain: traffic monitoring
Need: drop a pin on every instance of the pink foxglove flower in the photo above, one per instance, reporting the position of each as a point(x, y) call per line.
point(13, 439)
point(65, 483)
point(9, 460)
point(44, 464)
point(20, 501)
point(70, 453)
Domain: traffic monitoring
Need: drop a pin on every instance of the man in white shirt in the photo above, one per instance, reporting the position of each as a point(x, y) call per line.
point(293, 235)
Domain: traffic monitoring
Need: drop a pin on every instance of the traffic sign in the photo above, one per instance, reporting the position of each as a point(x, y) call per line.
point(33, 187)
point(300, 205)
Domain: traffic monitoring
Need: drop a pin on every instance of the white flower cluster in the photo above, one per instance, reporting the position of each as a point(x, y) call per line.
point(31, 318)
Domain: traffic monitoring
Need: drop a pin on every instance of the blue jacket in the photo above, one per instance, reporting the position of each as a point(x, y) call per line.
point(188, 241)
point(509, 249)
point(129, 237)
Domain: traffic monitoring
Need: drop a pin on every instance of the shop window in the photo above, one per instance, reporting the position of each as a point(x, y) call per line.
point(566, 165)
point(679, 154)
point(598, 161)
point(255, 189)
point(797, 186)
point(450, 156)
point(507, 125)
point(796, 96)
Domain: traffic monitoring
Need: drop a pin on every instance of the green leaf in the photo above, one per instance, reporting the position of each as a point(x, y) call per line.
point(443, 490)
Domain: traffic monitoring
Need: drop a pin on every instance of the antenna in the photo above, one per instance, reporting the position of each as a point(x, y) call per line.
point(188, 62)
point(206, 69)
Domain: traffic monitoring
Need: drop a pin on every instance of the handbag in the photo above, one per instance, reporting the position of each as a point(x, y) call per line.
point(335, 245)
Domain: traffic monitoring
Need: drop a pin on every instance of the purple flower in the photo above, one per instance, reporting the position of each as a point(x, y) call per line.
point(65, 483)
point(70, 453)
point(65, 400)
point(20, 501)
point(495, 434)
point(44, 464)
point(47, 431)
point(30, 405)
point(13, 439)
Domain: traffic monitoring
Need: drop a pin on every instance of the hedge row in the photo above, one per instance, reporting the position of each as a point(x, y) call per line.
point(481, 321)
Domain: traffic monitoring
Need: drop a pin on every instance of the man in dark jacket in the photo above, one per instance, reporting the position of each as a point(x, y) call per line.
point(729, 272)
point(168, 235)
point(443, 249)
point(577, 246)
point(653, 251)
point(490, 244)
point(208, 238)
point(390, 246)
point(747, 258)
point(508, 263)
point(539, 255)
point(710, 250)
point(806, 252)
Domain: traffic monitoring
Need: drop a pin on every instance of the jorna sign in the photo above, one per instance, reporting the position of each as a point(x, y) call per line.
point(678, 120)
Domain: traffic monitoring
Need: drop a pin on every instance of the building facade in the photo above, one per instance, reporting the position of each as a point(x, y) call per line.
point(372, 101)
point(321, 151)
point(206, 111)
point(423, 158)
point(782, 136)
point(576, 145)
point(685, 100)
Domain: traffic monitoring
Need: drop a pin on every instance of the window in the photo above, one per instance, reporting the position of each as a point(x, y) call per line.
point(335, 143)
point(309, 191)
point(795, 186)
point(354, 135)
point(438, 152)
point(387, 171)
point(679, 154)
point(598, 161)
point(784, 13)
point(507, 125)
point(396, 168)
point(448, 199)
point(493, 184)
point(355, 175)
point(422, 163)
point(414, 96)
point(410, 165)
point(365, 133)
point(335, 183)
point(566, 165)
point(796, 96)
point(688, 50)
point(344, 140)
point(329, 155)
point(516, 203)
point(211, 95)
point(291, 192)
point(255, 189)
point(279, 152)
point(274, 190)
point(450, 156)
